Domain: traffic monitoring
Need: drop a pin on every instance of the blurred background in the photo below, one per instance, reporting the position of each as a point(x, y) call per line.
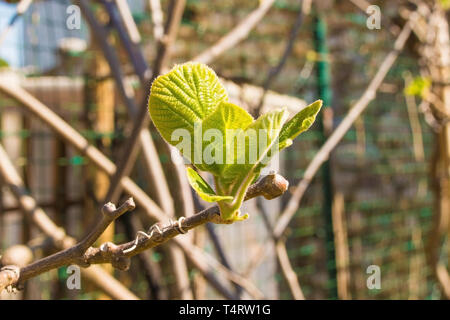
point(381, 200)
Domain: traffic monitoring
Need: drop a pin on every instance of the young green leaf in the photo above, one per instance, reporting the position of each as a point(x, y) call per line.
point(226, 120)
point(219, 137)
point(260, 137)
point(236, 178)
point(202, 187)
point(299, 123)
point(187, 94)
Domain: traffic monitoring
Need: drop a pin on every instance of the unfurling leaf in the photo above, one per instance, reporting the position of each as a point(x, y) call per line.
point(299, 123)
point(227, 120)
point(190, 104)
point(260, 138)
point(202, 187)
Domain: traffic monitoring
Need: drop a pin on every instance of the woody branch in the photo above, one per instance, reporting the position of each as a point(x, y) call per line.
point(84, 254)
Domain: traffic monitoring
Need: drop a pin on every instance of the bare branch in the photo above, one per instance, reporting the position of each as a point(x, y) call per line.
point(152, 270)
point(119, 255)
point(9, 275)
point(443, 278)
point(270, 187)
point(74, 138)
point(288, 272)
point(361, 4)
point(70, 135)
point(322, 155)
point(283, 259)
point(38, 216)
point(275, 71)
point(157, 19)
point(416, 129)
point(128, 21)
point(141, 121)
point(176, 9)
point(140, 132)
point(110, 213)
point(76, 253)
point(236, 35)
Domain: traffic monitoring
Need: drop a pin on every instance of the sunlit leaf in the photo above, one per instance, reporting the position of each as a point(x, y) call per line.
point(190, 108)
point(418, 87)
point(299, 123)
point(256, 150)
point(227, 119)
point(202, 187)
point(187, 94)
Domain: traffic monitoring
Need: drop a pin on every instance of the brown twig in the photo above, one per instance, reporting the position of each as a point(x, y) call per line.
point(76, 253)
point(140, 130)
point(151, 269)
point(361, 4)
point(101, 35)
point(38, 216)
point(270, 187)
point(74, 138)
point(128, 21)
point(236, 35)
point(428, 116)
point(118, 256)
point(435, 58)
point(288, 272)
point(275, 71)
point(9, 275)
point(157, 19)
point(322, 155)
point(416, 129)
point(283, 259)
point(141, 121)
point(70, 135)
